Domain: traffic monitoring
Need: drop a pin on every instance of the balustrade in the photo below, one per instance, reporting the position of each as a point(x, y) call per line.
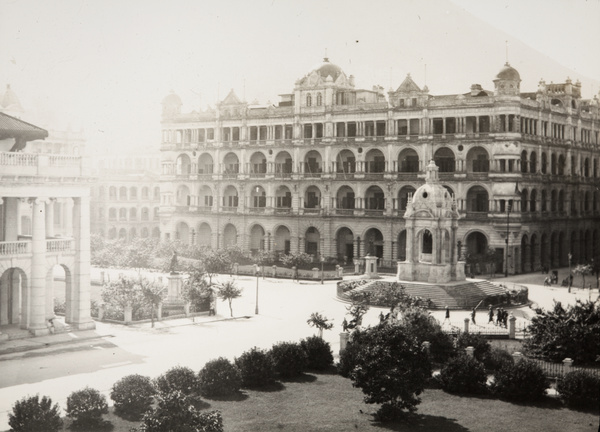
point(15, 248)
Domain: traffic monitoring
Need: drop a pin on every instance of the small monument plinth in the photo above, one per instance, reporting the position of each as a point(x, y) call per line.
point(174, 288)
point(371, 267)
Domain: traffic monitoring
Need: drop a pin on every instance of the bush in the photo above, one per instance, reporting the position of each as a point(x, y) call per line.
point(178, 378)
point(523, 381)
point(579, 389)
point(289, 359)
point(219, 377)
point(463, 374)
point(132, 396)
point(318, 353)
point(496, 358)
point(392, 369)
point(424, 327)
point(477, 341)
point(175, 413)
point(348, 356)
point(31, 414)
point(86, 407)
point(256, 367)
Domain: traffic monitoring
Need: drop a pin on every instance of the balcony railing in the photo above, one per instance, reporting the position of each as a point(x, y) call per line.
point(40, 164)
point(59, 245)
point(15, 248)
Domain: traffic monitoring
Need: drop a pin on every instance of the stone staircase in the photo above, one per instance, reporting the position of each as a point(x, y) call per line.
point(465, 295)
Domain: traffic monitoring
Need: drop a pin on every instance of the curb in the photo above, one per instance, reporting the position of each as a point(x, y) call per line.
point(26, 348)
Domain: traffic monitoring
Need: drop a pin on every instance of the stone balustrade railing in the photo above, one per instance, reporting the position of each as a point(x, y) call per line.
point(15, 248)
point(59, 245)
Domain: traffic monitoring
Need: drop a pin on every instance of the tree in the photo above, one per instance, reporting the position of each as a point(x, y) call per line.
point(153, 293)
point(215, 262)
point(356, 310)
point(196, 289)
point(296, 259)
point(391, 368)
point(320, 322)
point(126, 291)
point(139, 254)
point(583, 270)
point(560, 332)
point(228, 290)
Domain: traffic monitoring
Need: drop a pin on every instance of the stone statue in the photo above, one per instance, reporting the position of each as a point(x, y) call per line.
point(173, 266)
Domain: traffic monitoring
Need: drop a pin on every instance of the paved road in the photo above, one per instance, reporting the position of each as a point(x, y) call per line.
point(284, 307)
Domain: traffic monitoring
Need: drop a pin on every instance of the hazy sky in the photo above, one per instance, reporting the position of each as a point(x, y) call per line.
point(106, 64)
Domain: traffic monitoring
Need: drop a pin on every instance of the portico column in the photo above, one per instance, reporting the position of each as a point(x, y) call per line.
point(50, 218)
point(409, 243)
point(78, 308)
point(37, 293)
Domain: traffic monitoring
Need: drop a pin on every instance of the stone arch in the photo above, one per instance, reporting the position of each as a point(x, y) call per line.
point(345, 162)
point(182, 233)
point(144, 232)
point(123, 233)
point(283, 197)
point(312, 197)
point(403, 196)
point(258, 197)
point(375, 161)
point(476, 243)
point(344, 241)
point(533, 162)
point(283, 163)
point(230, 197)
point(257, 238)
point(182, 197)
point(345, 198)
point(374, 198)
point(204, 235)
point(231, 163)
point(408, 161)
point(183, 165)
point(282, 240)
point(313, 162)
point(478, 160)
point(205, 163)
point(312, 241)
point(445, 159)
point(205, 196)
point(230, 235)
point(13, 295)
point(477, 199)
point(258, 163)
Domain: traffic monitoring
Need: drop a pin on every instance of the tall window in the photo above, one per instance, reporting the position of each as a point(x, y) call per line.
point(308, 100)
point(319, 99)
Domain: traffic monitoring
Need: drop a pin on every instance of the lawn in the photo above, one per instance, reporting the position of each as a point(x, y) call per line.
point(328, 402)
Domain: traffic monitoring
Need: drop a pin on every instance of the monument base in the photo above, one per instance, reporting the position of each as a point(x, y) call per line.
point(432, 273)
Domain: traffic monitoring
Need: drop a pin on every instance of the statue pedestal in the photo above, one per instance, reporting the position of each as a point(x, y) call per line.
point(371, 267)
point(174, 288)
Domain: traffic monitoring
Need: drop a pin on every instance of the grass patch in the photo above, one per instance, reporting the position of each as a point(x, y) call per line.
point(330, 403)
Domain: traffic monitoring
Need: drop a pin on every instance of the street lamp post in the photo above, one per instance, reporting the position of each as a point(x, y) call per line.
point(257, 278)
point(322, 261)
point(507, 235)
point(570, 257)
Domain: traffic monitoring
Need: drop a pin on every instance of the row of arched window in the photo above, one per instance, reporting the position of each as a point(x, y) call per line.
point(130, 233)
point(131, 193)
point(588, 167)
point(131, 214)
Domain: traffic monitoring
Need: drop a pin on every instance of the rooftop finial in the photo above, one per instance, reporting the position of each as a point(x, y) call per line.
point(506, 43)
point(325, 59)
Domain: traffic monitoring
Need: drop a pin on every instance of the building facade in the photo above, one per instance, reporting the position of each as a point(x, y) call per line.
point(329, 169)
point(45, 225)
point(126, 198)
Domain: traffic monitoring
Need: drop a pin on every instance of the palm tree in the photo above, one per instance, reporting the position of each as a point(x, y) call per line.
point(228, 290)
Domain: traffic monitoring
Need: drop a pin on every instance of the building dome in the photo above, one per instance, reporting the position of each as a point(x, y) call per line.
point(431, 196)
point(327, 68)
point(172, 99)
point(508, 73)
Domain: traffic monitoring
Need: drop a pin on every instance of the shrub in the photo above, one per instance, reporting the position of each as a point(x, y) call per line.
point(132, 396)
point(318, 353)
point(392, 369)
point(178, 378)
point(86, 407)
point(579, 389)
point(175, 413)
point(289, 359)
point(256, 367)
point(477, 341)
point(522, 381)
point(496, 358)
point(219, 377)
point(348, 356)
point(31, 414)
point(424, 327)
point(463, 374)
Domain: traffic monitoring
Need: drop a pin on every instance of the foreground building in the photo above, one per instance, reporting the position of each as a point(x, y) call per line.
point(329, 169)
point(45, 224)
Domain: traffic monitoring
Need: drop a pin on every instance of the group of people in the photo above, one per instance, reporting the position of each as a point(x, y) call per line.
point(501, 316)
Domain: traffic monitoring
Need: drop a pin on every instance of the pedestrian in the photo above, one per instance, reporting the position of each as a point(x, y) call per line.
point(295, 274)
point(505, 319)
point(499, 316)
point(491, 314)
point(447, 316)
point(473, 312)
point(213, 304)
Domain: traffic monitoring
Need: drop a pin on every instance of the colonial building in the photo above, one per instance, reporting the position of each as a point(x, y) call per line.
point(329, 169)
point(34, 188)
point(126, 197)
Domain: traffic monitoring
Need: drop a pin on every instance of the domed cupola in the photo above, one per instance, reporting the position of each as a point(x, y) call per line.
point(171, 105)
point(432, 199)
point(327, 69)
point(507, 81)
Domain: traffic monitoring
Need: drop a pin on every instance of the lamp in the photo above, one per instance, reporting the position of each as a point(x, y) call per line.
point(257, 278)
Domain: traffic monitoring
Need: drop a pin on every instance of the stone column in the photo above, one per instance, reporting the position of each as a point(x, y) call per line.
point(49, 217)
point(37, 292)
point(78, 311)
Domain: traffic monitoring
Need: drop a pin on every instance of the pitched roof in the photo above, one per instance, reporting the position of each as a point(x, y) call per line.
point(12, 127)
point(231, 99)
